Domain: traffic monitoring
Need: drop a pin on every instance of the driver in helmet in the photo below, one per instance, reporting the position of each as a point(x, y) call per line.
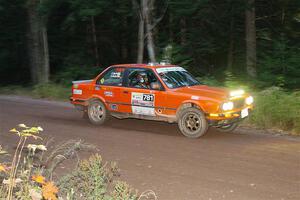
point(142, 80)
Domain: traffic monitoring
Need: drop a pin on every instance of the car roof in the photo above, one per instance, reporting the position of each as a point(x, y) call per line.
point(155, 65)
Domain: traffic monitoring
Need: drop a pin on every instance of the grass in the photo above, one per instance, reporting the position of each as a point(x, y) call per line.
point(276, 108)
point(46, 91)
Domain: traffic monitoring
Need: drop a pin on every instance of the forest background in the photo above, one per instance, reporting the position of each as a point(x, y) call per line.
point(253, 44)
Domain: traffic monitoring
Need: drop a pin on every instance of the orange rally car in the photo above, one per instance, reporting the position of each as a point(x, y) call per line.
point(161, 92)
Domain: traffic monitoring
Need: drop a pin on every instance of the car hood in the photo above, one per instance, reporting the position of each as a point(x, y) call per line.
point(215, 93)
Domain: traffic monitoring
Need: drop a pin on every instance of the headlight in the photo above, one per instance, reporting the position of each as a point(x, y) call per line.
point(227, 106)
point(249, 100)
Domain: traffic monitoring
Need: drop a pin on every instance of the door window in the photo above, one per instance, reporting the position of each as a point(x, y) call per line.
point(142, 78)
point(113, 77)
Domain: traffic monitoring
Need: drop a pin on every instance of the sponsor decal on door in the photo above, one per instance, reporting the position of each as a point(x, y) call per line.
point(142, 104)
point(108, 94)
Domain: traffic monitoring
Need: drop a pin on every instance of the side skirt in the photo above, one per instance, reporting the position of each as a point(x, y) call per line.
point(170, 119)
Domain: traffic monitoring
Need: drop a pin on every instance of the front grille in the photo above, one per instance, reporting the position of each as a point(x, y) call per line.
point(239, 103)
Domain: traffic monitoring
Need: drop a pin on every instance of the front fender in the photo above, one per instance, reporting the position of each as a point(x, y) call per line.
point(190, 103)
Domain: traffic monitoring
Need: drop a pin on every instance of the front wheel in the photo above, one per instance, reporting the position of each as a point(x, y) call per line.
point(228, 128)
point(97, 112)
point(192, 123)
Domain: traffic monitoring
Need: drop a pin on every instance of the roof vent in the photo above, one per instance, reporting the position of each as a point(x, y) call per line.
point(164, 62)
point(153, 63)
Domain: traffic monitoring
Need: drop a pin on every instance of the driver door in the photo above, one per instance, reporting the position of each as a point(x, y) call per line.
point(142, 101)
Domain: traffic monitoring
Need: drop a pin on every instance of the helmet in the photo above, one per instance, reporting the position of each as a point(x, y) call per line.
point(142, 77)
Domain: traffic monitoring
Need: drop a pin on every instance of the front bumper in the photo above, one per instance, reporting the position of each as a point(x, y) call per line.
point(230, 115)
point(221, 123)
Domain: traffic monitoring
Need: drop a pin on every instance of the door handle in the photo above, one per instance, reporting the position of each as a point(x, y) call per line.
point(97, 87)
point(125, 92)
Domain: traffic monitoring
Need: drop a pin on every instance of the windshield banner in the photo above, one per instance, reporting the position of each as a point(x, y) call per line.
point(169, 69)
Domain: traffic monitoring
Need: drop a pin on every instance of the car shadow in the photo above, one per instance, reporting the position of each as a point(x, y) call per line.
point(155, 127)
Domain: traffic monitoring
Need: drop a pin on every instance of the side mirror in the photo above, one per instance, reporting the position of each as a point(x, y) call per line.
point(155, 86)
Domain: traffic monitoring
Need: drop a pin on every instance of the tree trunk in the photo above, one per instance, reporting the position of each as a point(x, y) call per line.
point(183, 31)
point(95, 41)
point(147, 8)
point(45, 64)
point(250, 39)
point(37, 44)
point(141, 36)
point(230, 46)
point(171, 33)
point(33, 42)
point(141, 33)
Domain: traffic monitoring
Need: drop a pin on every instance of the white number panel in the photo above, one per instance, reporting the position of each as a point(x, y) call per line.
point(142, 104)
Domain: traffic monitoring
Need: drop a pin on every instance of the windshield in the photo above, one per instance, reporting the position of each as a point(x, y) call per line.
point(175, 77)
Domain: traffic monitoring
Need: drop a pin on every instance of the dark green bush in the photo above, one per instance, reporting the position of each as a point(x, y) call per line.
point(276, 108)
point(66, 76)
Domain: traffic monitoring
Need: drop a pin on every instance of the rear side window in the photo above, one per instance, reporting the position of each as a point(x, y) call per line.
point(113, 77)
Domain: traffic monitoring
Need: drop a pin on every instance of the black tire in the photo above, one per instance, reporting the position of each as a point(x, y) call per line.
point(228, 128)
point(97, 112)
point(192, 123)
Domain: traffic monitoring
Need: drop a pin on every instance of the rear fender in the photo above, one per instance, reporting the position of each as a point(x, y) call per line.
point(97, 97)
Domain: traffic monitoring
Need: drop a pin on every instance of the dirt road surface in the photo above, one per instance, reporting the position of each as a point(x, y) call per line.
point(154, 155)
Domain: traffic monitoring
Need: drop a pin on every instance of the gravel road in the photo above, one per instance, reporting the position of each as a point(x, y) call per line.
point(154, 155)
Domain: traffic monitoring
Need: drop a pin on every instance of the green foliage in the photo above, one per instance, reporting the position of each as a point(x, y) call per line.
point(230, 81)
point(51, 91)
point(93, 179)
point(209, 80)
point(122, 191)
point(276, 108)
point(280, 66)
point(234, 82)
point(193, 34)
point(175, 54)
point(66, 76)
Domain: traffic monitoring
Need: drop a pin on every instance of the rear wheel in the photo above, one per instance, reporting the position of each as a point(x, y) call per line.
point(192, 123)
point(97, 112)
point(228, 128)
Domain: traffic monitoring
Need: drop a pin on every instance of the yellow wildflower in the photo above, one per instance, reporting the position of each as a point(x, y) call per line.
point(39, 179)
point(49, 191)
point(3, 168)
